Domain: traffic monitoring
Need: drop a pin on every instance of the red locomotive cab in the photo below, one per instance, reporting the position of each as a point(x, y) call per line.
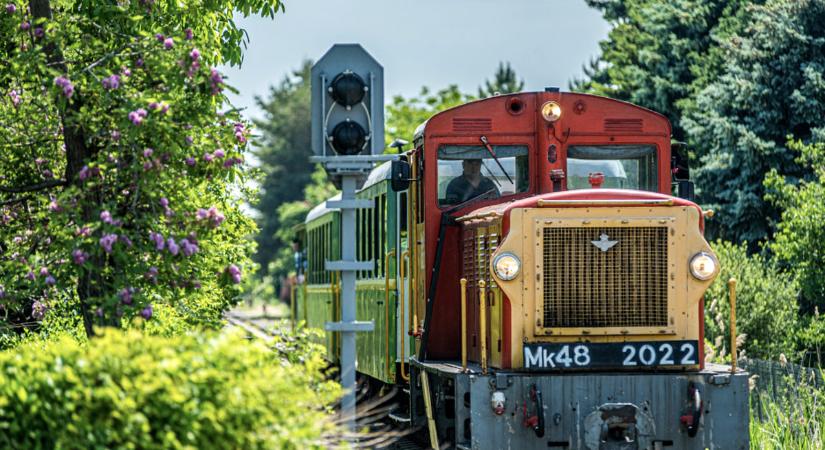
point(605, 168)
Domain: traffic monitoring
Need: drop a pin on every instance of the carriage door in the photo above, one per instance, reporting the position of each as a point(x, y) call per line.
point(403, 312)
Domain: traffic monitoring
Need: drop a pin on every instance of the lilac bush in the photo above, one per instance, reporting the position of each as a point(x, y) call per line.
point(121, 161)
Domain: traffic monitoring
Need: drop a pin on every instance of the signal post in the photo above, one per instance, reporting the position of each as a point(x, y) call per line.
point(348, 138)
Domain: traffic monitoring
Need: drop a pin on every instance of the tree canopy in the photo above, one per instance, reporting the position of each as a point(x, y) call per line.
point(122, 166)
point(284, 157)
point(504, 81)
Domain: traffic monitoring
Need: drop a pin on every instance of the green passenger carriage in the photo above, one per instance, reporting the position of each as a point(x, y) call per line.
point(382, 239)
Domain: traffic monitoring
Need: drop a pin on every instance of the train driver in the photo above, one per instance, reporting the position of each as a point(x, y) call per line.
point(470, 184)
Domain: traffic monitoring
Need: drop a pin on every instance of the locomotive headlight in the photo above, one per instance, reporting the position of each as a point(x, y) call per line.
point(507, 266)
point(703, 266)
point(551, 111)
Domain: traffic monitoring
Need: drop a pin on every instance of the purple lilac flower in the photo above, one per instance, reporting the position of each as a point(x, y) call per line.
point(146, 312)
point(50, 281)
point(219, 153)
point(189, 248)
point(115, 135)
point(152, 272)
point(159, 37)
point(158, 240)
point(107, 241)
point(137, 116)
point(25, 26)
point(111, 82)
point(30, 276)
point(168, 43)
point(189, 140)
point(172, 246)
point(125, 71)
point(38, 310)
point(164, 202)
point(38, 32)
point(154, 105)
point(195, 54)
point(189, 34)
point(147, 166)
point(190, 161)
point(125, 239)
point(216, 81)
point(201, 214)
point(164, 107)
point(208, 157)
point(54, 206)
point(84, 173)
point(234, 273)
point(83, 232)
point(48, 174)
point(125, 296)
point(10, 8)
point(147, 152)
point(79, 256)
point(15, 98)
point(66, 84)
point(139, 62)
point(44, 271)
point(40, 161)
point(106, 217)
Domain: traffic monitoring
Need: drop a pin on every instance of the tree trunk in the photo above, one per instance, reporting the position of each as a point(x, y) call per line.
point(78, 151)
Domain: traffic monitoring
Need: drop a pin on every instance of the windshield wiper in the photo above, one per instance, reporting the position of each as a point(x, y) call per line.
point(493, 154)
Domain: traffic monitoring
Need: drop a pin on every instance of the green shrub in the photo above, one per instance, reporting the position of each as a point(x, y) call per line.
point(134, 391)
point(766, 304)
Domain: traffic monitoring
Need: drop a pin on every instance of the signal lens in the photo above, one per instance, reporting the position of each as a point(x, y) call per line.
point(703, 266)
point(507, 266)
point(348, 138)
point(347, 89)
point(551, 111)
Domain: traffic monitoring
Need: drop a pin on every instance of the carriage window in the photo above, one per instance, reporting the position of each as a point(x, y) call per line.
point(470, 171)
point(623, 166)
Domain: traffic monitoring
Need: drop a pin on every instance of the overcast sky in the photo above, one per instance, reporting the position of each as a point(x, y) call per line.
point(430, 43)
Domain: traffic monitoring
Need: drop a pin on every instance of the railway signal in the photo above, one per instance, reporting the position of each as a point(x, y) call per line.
point(347, 103)
point(348, 138)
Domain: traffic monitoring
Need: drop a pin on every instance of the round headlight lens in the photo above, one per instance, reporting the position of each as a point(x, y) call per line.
point(507, 266)
point(703, 266)
point(551, 111)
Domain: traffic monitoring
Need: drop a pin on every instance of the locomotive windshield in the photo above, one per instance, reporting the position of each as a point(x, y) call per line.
point(469, 171)
point(623, 166)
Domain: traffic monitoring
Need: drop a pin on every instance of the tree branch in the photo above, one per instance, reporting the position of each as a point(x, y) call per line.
point(34, 187)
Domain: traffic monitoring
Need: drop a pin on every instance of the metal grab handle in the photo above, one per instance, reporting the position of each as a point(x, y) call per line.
point(463, 282)
point(732, 288)
point(389, 254)
point(483, 324)
point(402, 335)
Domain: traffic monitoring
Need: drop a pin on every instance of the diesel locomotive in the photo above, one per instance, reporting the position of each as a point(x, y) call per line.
point(536, 283)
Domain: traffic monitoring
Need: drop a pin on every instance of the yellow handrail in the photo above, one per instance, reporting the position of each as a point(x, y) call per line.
point(483, 325)
point(732, 288)
point(387, 308)
point(463, 324)
point(401, 329)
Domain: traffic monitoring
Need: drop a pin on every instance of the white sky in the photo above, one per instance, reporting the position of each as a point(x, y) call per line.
point(430, 43)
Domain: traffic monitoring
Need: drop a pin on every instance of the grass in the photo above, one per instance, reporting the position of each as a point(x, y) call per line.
point(794, 421)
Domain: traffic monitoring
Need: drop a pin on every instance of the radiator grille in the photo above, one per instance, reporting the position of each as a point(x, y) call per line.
point(623, 125)
point(468, 124)
point(625, 286)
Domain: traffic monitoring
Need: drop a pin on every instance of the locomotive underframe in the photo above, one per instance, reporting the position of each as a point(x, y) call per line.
point(583, 410)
